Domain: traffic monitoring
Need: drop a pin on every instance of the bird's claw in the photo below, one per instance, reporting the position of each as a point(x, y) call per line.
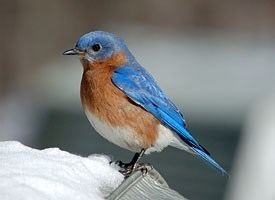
point(144, 167)
point(120, 163)
point(127, 169)
point(126, 172)
point(136, 167)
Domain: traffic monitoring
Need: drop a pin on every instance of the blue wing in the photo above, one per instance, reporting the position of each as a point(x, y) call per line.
point(140, 87)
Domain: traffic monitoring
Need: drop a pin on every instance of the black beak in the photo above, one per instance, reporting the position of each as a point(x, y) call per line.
point(73, 52)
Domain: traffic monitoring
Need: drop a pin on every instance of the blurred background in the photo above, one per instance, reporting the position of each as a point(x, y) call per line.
point(215, 59)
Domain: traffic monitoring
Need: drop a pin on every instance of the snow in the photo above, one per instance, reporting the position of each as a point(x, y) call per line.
point(27, 173)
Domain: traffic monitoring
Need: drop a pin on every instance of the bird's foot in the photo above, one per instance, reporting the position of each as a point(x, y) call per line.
point(144, 167)
point(136, 167)
point(122, 164)
point(124, 168)
point(127, 171)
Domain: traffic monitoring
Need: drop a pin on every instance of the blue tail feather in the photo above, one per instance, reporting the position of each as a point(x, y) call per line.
point(209, 161)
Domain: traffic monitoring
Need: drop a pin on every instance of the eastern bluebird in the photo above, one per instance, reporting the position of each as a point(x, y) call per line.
point(125, 104)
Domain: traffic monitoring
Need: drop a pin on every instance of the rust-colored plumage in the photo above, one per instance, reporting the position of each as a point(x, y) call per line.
point(102, 98)
point(147, 122)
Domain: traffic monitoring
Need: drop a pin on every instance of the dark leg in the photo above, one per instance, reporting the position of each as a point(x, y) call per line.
point(128, 168)
point(136, 158)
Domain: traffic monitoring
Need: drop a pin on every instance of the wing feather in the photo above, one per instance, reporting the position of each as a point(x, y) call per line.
point(141, 88)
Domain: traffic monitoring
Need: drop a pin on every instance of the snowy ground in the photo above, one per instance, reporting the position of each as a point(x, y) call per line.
point(27, 173)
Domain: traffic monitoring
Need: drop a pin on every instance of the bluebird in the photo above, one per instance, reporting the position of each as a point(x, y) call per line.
point(124, 103)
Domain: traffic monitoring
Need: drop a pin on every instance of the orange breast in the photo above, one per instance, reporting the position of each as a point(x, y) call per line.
point(102, 98)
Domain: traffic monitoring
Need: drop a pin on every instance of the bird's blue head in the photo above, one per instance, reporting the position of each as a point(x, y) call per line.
point(98, 45)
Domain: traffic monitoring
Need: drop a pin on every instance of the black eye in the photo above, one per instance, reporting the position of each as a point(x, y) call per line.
point(96, 47)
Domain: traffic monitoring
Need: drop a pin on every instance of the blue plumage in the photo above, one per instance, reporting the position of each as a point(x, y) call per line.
point(140, 87)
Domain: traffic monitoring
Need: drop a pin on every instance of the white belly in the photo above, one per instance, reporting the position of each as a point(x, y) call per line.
point(123, 137)
point(127, 138)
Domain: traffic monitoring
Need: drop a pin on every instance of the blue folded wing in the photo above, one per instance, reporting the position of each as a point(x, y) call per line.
point(141, 88)
point(138, 85)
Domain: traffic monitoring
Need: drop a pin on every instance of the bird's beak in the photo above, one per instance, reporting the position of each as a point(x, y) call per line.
point(73, 52)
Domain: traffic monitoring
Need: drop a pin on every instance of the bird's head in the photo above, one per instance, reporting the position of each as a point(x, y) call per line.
point(98, 46)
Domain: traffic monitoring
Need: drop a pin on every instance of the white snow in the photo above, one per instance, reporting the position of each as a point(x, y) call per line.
point(27, 173)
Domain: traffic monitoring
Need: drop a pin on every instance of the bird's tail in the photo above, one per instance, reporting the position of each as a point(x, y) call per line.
point(208, 160)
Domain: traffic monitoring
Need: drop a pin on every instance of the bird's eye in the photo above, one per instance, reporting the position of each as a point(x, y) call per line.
point(96, 47)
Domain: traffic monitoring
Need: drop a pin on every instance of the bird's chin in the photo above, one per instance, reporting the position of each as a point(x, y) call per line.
point(88, 57)
point(86, 62)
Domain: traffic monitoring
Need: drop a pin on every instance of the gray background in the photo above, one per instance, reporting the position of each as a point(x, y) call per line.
point(215, 59)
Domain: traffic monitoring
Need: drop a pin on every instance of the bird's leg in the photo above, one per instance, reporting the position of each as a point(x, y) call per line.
point(134, 160)
point(128, 168)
